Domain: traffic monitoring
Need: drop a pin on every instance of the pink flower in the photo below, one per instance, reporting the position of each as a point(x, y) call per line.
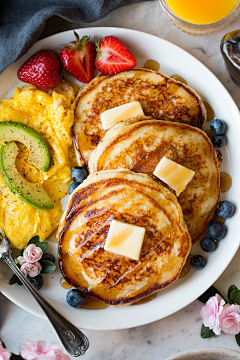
point(42, 351)
point(32, 253)
point(211, 311)
point(4, 353)
point(31, 269)
point(230, 319)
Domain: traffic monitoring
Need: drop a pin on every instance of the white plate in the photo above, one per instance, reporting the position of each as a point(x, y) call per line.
point(172, 60)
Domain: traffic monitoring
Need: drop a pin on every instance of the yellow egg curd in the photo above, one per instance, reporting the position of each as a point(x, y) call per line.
point(51, 114)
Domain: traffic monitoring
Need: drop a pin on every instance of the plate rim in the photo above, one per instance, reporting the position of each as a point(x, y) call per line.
point(138, 322)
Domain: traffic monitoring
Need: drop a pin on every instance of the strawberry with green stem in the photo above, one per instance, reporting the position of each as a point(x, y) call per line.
point(78, 58)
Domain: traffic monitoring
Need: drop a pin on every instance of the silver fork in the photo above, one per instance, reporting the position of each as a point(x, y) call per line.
point(74, 341)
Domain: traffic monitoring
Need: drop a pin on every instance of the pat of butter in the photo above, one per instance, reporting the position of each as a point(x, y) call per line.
point(123, 112)
point(125, 239)
point(174, 175)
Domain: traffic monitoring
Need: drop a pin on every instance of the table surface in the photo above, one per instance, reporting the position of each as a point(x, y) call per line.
point(180, 331)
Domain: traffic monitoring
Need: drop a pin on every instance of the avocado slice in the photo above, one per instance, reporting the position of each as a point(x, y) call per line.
point(39, 153)
point(30, 193)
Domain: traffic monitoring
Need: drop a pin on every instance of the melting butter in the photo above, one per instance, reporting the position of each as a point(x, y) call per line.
point(173, 174)
point(125, 239)
point(123, 112)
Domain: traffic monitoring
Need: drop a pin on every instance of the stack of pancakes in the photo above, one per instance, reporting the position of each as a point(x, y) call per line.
point(121, 186)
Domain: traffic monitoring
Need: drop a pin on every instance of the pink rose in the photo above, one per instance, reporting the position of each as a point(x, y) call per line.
point(42, 351)
point(4, 353)
point(32, 253)
point(230, 319)
point(31, 269)
point(211, 311)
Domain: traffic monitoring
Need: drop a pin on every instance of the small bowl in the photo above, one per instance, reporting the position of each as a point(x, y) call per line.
point(209, 353)
point(198, 29)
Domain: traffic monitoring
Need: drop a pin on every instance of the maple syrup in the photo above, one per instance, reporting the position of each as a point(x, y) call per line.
point(186, 267)
point(93, 304)
point(218, 218)
point(151, 65)
point(64, 284)
point(145, 300)
point(210, 134)
point(210, 112)
point(89, 303)
point(225, 181)
point(179, 78)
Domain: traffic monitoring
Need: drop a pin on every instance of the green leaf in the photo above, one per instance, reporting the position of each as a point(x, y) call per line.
point(235, 297)
point(21, 252)
point(42, 245)
point(14, 279)
point(47, 266)
point(206, 332)
point(231, 289)
point(237, 337)
point(212, 291)
point(34, 240)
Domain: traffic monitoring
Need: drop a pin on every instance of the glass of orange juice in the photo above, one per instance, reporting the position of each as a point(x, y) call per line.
point(200, 17)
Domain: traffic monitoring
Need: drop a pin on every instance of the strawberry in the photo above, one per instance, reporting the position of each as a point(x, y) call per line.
point(78, 57)
point(42, 70)
point(113, 56)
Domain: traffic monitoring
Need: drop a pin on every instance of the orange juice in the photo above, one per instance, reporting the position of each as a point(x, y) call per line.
point(202, 11)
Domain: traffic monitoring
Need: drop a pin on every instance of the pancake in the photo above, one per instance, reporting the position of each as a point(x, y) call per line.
point(161, 98)
point(140, 145)
point(136, 199)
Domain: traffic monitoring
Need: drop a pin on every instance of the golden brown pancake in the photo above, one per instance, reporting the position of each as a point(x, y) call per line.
point(140, 145)
point(161, 98)
point(136, 199)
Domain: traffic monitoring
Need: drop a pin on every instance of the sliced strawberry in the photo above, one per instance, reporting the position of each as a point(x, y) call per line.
point(42, 70)
point(78, 58)
point(113, 56)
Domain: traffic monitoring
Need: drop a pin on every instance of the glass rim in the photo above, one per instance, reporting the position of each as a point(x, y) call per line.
point(193, 27)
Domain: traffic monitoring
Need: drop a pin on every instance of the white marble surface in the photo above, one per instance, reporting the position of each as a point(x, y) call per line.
point(180, 331)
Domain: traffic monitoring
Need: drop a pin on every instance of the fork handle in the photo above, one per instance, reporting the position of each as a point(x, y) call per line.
point(74, 341)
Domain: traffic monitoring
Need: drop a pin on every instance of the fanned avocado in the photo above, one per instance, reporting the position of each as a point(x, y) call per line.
point(30, 193)
point(39, 153)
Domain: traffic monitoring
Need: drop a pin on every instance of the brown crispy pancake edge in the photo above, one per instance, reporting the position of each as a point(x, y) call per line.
point(101, 77)
point(120, 301)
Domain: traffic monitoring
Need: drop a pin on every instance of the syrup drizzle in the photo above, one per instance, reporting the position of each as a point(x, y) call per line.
point(187, 266)
point(210, 134)
point(210, 112)
point(225, 181)
point(145, 300)
point(179, 78)
point(64, 284)
point(89, 303)
point(151, 65)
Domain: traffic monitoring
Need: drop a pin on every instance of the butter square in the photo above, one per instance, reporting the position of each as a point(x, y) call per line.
point(125, 239)
point(123, 112)
point(173, 174)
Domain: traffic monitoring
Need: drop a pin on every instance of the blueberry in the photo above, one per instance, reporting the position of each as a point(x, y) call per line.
point(216, 230)
point(49, 257)
point(225, 209)
point(218, 141)
point(36, 281)
point(72, 187)
point(207, 244)
point(79, 174)
point(218, 127)
point(75, 298)
point(198, 262)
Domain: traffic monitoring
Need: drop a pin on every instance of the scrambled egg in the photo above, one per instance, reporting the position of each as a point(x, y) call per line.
point(51, 114)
